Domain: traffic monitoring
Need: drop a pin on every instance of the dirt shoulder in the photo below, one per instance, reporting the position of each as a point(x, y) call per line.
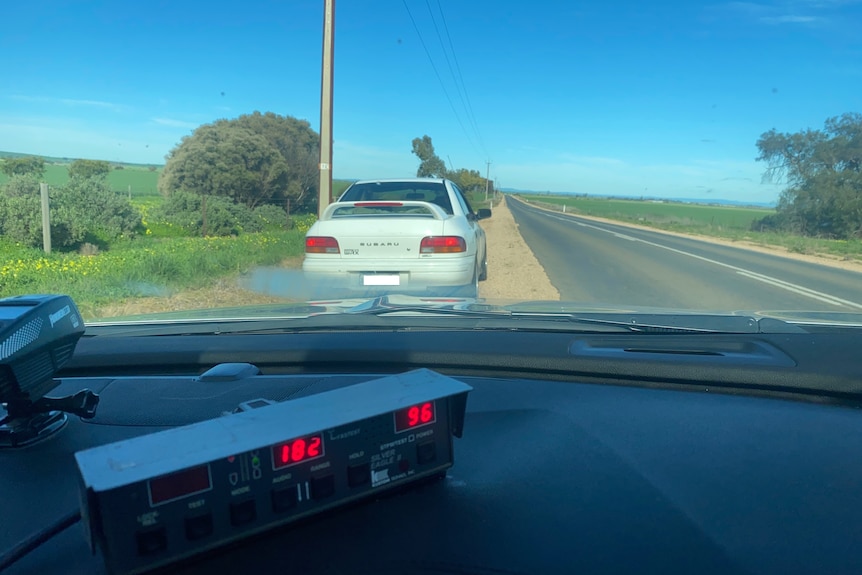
point(823, 259)
point(223, 293)
point(513, 271)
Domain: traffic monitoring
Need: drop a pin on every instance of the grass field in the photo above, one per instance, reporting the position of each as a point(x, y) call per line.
point(727, 222)
point(142, 181)
point(662, 213)
point(163, 263)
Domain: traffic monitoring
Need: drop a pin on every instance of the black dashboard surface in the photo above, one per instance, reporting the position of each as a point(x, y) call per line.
point(549, 477)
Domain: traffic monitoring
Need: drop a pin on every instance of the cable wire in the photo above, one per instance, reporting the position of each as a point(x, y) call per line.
point(439, 78)
point(471, 115)
point(458, 86)
point(36, 540)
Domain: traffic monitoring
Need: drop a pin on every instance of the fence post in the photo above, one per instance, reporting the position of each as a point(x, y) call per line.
point(46, 220)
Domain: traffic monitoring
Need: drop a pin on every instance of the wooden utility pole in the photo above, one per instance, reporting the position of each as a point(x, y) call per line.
point(46, 219)
point(487, 175)
point(325, 187)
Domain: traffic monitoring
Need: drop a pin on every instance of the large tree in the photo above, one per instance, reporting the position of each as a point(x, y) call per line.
point(823, 171)
point(253, 159)
point(23, 166)
point(430, 166)
point(299, 145)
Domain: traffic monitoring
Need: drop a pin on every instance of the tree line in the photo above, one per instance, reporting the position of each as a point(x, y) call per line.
point(431, 166)
point(230, 176)
point(823, 173)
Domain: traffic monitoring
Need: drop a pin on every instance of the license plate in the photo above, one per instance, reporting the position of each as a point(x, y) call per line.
point(381, 280)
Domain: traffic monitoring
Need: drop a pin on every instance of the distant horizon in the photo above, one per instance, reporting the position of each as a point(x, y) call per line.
point(716, 200)
point(702, 201)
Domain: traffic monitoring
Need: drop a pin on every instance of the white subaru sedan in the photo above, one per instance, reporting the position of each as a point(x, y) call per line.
point(409, 235)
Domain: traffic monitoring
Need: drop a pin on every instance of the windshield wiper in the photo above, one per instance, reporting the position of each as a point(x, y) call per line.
point(382, 312)
point(641, 323)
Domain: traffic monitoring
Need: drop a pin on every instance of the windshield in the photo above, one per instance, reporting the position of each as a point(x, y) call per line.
point(612, 158)
point(430, 286)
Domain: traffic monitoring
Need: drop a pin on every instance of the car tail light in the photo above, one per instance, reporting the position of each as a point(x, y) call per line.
point(321, 245)
point(442, 245)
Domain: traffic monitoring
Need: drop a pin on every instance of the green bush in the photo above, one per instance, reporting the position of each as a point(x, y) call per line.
point(21, 219)
point(271, 217)
point(20, 186)
point(224, 216)
point(84, 210)
point(184, 209)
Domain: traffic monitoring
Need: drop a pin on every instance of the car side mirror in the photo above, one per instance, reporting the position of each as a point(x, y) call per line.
point(483, 214)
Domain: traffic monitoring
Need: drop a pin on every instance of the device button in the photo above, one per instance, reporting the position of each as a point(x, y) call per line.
point(426, 452)
point(199, 526)
point(359, 474)
point(242, 512)
point(152, 541)
point(322, 487)
point(284, 499)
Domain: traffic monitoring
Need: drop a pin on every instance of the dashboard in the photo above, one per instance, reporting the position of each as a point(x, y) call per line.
point(594, 453)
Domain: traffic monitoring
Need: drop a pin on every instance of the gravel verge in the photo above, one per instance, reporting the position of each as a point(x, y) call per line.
point(514, 273)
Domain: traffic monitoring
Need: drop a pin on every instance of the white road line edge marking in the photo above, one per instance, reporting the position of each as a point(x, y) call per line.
point(797, 289)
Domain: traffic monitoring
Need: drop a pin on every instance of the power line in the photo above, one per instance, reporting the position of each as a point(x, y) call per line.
point(459, 87)
point(439, 79)
point(471, 115)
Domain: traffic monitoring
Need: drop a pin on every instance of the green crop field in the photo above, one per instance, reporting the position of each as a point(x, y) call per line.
point(55, 175)
point(142, 181)
point(662, 213)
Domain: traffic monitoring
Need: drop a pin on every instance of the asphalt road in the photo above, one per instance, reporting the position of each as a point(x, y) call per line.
point(598, 263)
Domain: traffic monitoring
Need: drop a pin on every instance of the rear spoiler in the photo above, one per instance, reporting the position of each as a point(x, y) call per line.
point(433, 210)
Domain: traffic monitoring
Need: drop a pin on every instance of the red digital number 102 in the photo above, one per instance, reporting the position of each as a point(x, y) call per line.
point(299, 450)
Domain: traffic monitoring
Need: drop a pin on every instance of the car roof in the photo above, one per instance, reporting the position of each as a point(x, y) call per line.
point(406, 180)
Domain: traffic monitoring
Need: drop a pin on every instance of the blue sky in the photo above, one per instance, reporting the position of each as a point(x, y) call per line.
point(619, 97)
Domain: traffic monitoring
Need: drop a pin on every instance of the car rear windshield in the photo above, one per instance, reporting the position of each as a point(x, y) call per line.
point(433, 192)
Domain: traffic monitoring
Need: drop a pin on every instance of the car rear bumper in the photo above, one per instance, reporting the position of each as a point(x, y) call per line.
point(395, 275)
